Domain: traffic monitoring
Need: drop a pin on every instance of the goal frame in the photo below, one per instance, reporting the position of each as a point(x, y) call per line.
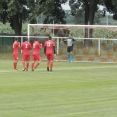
point(53, 26)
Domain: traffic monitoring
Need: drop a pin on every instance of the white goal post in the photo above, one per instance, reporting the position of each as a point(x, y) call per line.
point(80, 32)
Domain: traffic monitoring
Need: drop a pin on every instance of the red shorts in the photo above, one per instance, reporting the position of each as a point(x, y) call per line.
point(50, 56)
point(26, 58)
point(36, 57)
point(15, 56)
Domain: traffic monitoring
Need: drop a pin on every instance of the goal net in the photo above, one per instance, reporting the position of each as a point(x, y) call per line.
point(92, 42)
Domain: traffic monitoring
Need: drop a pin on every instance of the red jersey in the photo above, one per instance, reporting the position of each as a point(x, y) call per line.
point(36, 47)
point(49, 46)
point(16, 47)
point(26, 47)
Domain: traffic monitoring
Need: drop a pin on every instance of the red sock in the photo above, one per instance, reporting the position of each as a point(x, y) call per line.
point(51, 65)
point(14, 64)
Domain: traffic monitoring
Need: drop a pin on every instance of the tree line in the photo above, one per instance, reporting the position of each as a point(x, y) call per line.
point(17, 11)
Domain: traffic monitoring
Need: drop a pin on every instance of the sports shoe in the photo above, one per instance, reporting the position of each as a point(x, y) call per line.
point(24, 69)
point(47, 68)
point(69, 60)
point(72, 60)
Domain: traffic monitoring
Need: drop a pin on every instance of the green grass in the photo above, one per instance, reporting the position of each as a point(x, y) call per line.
point(71, 90)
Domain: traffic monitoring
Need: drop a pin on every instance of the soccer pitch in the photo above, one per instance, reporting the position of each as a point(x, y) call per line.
point(71, 90)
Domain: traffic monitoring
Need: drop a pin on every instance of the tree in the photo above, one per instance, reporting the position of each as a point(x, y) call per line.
point(90, 8)
point(79, 17)
point(16, 11)
point(69, 18)
point(53, 11)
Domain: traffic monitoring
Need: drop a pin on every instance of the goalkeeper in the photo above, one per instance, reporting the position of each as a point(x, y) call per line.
point(70, 41)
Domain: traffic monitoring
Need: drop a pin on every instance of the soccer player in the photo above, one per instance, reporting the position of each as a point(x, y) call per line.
point(70, 48)
point(36, 54)
point(16, 46)
point(49, 50)
point(26, 47)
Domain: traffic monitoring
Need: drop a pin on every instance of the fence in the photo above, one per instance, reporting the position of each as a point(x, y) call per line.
point(102, 50)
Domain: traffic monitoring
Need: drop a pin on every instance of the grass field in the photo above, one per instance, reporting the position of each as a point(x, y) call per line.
point(71, 90)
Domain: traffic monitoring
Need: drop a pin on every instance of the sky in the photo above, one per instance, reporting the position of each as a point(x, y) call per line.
point(66, 6)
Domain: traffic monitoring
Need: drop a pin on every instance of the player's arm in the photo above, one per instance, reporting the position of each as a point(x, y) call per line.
point(19, 44)
point(22, 46)
point(40, 46)
point(30, 46)
point(64, 40)
point(73, 39)
point(54, 49)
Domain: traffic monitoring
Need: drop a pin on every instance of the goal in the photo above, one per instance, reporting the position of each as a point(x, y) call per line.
point(92, 42)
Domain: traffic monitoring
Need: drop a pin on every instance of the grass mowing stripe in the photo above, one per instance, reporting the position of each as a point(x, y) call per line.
point(71, 90)
point(66, 68)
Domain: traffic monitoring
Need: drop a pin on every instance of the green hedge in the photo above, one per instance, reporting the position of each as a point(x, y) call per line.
point(77, 32)
point(6, 29)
